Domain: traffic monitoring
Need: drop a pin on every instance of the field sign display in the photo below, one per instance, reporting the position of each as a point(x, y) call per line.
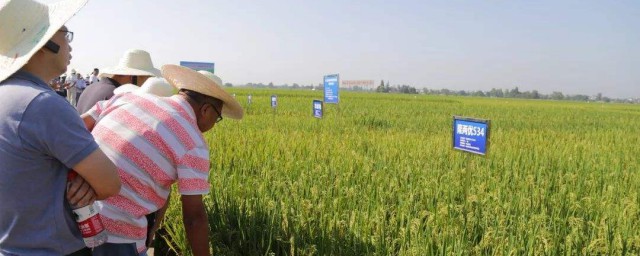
point(331, 87)
point(317, 108)
point(249, 99)
point(471, 134)
point(208, 66)
point(274, 101)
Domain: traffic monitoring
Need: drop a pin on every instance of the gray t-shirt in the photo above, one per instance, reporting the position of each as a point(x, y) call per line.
point(41, 137)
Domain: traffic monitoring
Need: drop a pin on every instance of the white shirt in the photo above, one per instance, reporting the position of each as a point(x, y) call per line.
point(93, 79)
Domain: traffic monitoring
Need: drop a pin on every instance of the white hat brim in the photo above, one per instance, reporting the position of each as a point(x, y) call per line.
point(130, 72)
point(59, 13)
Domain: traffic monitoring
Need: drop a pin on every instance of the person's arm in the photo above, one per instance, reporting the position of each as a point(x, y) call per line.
point(157, 221)
point(100, 173)
point(89, 121)
point(196, 224)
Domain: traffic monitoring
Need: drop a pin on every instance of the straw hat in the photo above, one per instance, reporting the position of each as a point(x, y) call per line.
point(26, 26)
point(186, 78)
point(134, 62)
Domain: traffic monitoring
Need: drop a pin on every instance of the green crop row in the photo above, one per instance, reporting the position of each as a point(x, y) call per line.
point(378, 176)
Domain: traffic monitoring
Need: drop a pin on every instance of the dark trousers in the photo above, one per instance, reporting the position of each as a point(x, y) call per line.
point(84, 252)
point(108, 249)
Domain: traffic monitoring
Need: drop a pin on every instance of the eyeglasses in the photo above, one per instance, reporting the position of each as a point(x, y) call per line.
point(218, 112)
point(68, 35)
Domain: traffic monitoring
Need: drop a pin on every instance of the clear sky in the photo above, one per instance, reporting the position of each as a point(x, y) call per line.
point(576, 47)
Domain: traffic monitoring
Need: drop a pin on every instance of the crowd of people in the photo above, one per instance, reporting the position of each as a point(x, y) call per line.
point(130, 132)
point(71, 86)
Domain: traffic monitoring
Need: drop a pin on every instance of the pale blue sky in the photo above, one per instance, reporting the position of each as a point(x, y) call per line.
point(577, 47)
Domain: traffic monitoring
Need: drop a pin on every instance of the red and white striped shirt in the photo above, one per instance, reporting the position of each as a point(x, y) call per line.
point(154, 142)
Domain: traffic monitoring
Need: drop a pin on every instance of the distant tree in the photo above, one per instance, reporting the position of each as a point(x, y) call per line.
point(295, 86)
point(478, 94)
point(557, 96)
point(228, 84)
point(270, 84)
point(535, 94)
point(515, 92)
point(496, 93)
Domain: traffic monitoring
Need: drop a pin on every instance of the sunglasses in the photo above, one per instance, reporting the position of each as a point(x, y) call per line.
point(218, 112)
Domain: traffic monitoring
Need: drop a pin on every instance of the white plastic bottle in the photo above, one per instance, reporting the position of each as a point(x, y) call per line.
point(89, 222)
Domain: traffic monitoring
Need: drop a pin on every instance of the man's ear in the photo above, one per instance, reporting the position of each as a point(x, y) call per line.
point(203, 109)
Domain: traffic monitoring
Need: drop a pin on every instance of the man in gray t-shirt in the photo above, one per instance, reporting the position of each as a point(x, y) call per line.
point(42, 137)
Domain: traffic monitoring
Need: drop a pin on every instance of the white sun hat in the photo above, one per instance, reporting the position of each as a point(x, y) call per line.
point(26, 25)
point(125, 88)
point(211, 76)
point(157, 86)
point(186, 78)
point(134, 62)
point(154, 85)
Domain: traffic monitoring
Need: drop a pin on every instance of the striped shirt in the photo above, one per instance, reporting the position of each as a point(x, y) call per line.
point(154, 142)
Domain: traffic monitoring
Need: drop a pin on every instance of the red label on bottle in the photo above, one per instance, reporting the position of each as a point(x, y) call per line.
point(91, 226)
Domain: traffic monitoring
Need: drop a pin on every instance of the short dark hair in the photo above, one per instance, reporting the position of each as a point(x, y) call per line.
point(200, 98)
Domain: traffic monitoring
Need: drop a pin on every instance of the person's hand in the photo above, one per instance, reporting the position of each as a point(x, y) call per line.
point(56, 84)
point(79, 192)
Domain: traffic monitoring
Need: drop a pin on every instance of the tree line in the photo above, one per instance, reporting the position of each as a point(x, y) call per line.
point(501, 93)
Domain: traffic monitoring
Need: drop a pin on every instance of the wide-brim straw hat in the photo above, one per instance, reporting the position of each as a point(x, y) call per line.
point(186, 78)
point(26, 25)
point(134, 62)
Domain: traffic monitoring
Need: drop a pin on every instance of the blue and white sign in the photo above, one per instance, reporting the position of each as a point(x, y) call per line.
point(471, 134)
point(274, 101)
point(208, 66)
point(331, 87)
point(317, 108)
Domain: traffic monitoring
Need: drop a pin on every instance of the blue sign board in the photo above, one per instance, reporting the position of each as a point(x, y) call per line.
point(471, 134)
point(317, 108)
point(331, 87)
point(274, 101)
point(208, 66)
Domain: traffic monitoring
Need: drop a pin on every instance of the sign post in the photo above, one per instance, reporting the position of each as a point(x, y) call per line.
point(274, 102)
point(471, 134)
point(317, 108)
point(331, 89)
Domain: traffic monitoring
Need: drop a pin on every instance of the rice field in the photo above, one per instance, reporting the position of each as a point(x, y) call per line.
point(378, 176)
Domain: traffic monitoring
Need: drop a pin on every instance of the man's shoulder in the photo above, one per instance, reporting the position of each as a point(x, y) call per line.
point(16, 89)
point(102, 86)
